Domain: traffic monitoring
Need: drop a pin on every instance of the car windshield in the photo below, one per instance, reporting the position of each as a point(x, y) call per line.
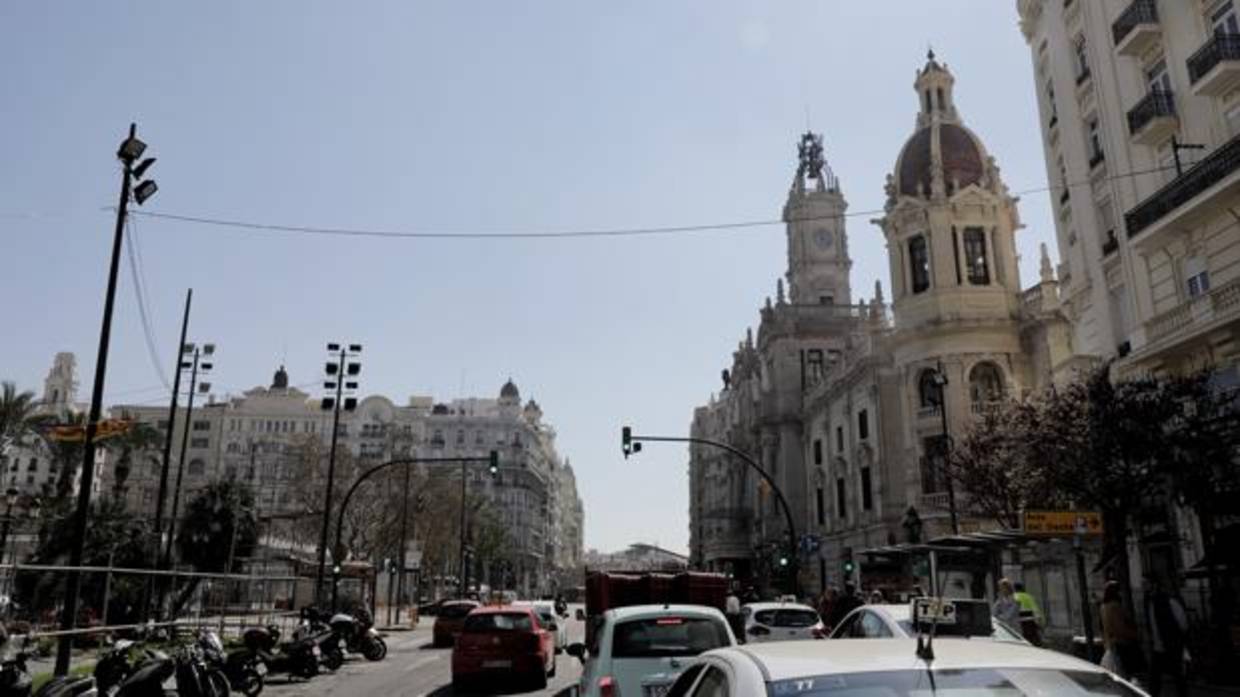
point(455, 612)
point(787, 618)
point(499, 622)
point(969, 682)
point(667, 636)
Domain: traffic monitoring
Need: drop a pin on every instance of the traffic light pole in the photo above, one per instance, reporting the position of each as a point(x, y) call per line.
point(331, 483)
point(493, 459)
point(793, 551)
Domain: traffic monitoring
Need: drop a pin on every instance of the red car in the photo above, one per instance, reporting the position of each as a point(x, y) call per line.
point(450, 620)
point(502, 640)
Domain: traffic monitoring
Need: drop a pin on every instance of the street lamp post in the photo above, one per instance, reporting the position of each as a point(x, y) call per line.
point(940, 380)
point(195, 365)
point(631, 443)
point(493, 468)
point(130, 150)
point(337, 370)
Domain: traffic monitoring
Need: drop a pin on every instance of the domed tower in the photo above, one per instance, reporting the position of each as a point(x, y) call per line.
point(509, 399)
point(818, 260)
point(950, 227)
point(950, 223)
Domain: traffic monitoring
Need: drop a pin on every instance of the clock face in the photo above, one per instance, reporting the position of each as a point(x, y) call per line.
point(823, 237)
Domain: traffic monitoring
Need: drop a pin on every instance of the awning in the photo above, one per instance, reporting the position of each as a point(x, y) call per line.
point(954, 544)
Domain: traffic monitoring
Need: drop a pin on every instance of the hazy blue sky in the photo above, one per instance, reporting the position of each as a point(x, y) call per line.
point(467, 116)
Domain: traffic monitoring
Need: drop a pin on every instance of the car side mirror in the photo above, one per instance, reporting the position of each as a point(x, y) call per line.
point(581, 615)
point(576, 650)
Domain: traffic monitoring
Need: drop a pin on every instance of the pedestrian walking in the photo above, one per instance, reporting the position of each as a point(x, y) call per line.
point(732, 609)
point(1006, 609)
point(1168, 623)
point(1123, 654)
point(877, 597)
point(846, 603)
point(1030, 615)
point(826, 606)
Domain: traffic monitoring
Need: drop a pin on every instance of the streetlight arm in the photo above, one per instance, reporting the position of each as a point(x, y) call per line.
point(344, 503)
point(779, 495)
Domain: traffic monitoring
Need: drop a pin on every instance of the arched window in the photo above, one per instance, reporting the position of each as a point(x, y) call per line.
point(975, 256)
point(985, 383)
point(919, 259)
point(928, 389)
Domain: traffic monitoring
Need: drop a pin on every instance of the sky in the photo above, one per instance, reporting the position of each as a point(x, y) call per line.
point(461, 117)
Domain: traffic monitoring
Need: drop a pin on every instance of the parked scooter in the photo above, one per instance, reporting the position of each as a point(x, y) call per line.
point(314, 626)
point(15, 681)
point(359, 635)
point(195, 677)
point(243, 668)
point(299, 657)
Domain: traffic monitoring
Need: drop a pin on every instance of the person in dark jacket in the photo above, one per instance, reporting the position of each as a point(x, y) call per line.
point(846, 603)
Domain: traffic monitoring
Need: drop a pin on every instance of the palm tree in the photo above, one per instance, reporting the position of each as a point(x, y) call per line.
point(139, 437)
point(17, 412)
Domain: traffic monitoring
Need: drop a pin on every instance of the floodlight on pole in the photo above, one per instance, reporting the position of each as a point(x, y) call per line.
point(334, 369)
point(144, 191)
point(140, 170)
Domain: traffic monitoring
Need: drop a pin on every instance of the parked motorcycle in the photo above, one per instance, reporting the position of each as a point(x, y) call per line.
point(359, 636)
point(299, 657)
point(243, 668)
point(195, 677)
point(14, 677)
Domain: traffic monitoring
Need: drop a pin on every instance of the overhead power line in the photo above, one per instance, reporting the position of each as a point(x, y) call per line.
point(560, 234)
point(139, 286)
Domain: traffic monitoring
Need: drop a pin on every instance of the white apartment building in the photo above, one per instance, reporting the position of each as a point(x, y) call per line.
point(1140, 114)
point(258, 437)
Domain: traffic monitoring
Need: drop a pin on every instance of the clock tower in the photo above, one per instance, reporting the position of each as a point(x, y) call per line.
point(818, 262)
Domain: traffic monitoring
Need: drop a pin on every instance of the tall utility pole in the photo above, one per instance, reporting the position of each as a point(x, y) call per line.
point(404, 544)
point(940, 379)
point(130, 150)
point(462, 585)
point(338, 369)
point(167, 456)
point(194, 367)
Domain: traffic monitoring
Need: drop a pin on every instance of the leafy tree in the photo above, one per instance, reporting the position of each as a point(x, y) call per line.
point(114, 535)
point(998, 464)
point(219, 524)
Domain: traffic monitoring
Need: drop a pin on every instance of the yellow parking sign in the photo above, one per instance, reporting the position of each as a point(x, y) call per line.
point(1063, 523)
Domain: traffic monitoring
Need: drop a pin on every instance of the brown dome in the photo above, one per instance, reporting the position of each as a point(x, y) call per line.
point(962, 159)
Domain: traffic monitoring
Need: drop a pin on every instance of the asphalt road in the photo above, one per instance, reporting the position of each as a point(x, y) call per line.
point(413, 667)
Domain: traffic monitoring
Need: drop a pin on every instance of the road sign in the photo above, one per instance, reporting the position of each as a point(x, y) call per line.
point(1063, 523)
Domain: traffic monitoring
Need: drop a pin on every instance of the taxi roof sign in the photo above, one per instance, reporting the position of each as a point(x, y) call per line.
point(1063, 523)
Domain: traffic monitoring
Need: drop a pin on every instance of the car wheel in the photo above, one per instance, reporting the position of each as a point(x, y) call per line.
point(540, 680)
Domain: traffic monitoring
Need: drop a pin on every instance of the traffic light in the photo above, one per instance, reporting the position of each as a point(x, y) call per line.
point(493, 466)
point(850, 567)
point(627, 444)
point(783, 560)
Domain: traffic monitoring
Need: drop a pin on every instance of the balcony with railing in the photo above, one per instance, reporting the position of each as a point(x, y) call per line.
point(1153, 119)
point(1221, 303)
point(1136, 29)
point(1214, 69)
point(1202, 178)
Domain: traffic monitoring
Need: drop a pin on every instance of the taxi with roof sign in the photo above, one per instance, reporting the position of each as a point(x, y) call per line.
point(922, 667)
point(956, 618)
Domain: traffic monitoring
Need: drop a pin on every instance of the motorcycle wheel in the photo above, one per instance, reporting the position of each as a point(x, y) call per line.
point(308, 669)
point(332, 660)
point(217, 684)
point(375, 650)
point(251, 683)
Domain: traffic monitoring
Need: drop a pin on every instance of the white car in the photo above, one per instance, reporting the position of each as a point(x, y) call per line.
point(639, 650)
point(893, 668)
point(551, 621)
point(781, 622)
point(887, 621)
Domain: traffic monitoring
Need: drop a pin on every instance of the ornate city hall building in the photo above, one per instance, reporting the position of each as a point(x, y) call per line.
point(846, 402)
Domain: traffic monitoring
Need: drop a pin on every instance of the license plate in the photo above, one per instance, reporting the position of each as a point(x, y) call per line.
point(497, 664)
point(260, 668)
point(655, 690)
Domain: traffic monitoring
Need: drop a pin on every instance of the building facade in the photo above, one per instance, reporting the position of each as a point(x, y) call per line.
point(260, 439)
point(1140, 114)
point(847, 405)
point(1140, 110)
